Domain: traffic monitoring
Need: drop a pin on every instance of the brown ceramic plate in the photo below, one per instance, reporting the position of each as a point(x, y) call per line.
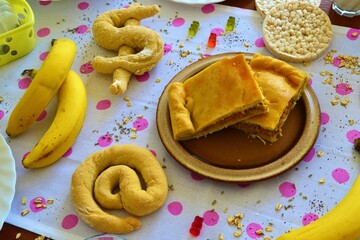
point(231, 155)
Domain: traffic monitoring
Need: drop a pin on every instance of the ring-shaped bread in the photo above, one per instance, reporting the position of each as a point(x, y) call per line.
point(126, 160)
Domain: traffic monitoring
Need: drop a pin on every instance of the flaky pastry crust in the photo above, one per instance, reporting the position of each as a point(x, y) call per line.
point(218, 96)
point(117, 166)
point(282, 85)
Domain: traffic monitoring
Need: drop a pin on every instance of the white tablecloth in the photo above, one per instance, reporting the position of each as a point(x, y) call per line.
point(298, 190)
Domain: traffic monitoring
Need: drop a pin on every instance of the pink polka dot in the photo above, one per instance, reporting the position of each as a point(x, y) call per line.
point(196, 176)
point(25, 155)
point(105, 238)
point(24, 83)
point(243, 185)
point(340, 175)
point(310, 155)
point(33, 204)
point(325, 118)
point(140, 124)
point(206, 55)
point(68, 152)
point(2, 114)
point(81, 29)
point(260, 42)
point(175, 208)
point(217, 31)
point(351, 34)
point(208, 8)
point(308, 218)
point(143, 78)
point(352, 135)
point(105, 140)
point(43, 32)
point(69, 221)
point(83, 5)
point(86, 68)
point(310, 82)
point(178, 22)
point(42, 116)
point(336, 62)
point(153, 152)
point(43, 56)
point(167, 48)
point(251, 230)
point(211, 217)
point(45, 3)
point(287, 189)
point(103, 104)
point(343, 89)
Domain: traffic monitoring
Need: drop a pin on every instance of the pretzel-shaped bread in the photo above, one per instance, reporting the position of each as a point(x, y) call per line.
point(139, 48)
point(112, 168)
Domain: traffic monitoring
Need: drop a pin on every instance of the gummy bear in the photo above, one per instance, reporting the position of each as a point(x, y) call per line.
point(196, 226)
point(230, 24)
point(194, 28)
point(212, 40)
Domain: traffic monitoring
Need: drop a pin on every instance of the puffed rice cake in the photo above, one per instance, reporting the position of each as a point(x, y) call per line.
point(297, 31)
point(264, 6)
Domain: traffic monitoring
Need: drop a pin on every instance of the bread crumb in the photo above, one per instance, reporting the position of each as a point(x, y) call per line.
point(24, 212)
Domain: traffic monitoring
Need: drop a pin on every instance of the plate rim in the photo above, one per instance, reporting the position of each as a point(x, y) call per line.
point(8, 167)
point(282, 164)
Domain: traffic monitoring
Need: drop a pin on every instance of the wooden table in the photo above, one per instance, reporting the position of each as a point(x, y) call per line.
point(10, 231)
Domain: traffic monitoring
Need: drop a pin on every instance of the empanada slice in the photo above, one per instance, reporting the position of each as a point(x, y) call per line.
point(220, 95)
point(282, 85)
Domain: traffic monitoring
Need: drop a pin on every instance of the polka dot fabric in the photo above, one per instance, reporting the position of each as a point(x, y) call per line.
point(290, 200)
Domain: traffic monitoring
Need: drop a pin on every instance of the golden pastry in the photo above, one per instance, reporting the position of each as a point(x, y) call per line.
point(218, 96)
point(112, 168)
point(122, 76)
point(282, 85)
point(116, 29)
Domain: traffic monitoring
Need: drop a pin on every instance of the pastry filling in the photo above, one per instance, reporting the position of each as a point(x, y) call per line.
point(227, 121)
point(274, 134)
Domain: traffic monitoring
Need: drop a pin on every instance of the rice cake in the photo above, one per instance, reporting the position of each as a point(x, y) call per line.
point(264, 6)
point(297, 31)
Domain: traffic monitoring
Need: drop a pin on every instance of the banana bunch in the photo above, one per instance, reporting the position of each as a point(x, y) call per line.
point(53, 77)
point(66, 126)
point(340, 223)
point(43, 87)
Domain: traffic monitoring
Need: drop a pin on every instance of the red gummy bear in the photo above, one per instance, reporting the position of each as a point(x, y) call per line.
point(196, 226)
point(212, 40)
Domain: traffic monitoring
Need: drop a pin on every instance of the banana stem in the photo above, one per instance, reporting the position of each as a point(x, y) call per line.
point(30, 72)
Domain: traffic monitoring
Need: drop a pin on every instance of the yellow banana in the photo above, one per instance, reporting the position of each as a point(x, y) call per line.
point(65, 127)
point(43, 87)
point(340, 223)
